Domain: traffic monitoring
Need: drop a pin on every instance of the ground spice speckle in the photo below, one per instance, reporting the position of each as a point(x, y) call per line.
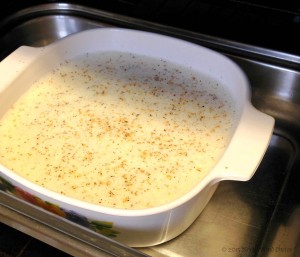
point(118, 130)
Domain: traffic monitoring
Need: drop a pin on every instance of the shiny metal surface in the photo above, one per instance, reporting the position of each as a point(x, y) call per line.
point(93, 17)
point(260, 217)
point(69, 237)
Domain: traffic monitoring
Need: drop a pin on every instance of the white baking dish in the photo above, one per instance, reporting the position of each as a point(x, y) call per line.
point(138, 228)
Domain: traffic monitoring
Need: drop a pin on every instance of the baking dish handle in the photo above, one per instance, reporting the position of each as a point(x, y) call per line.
point(248, 145)
point(13, 65)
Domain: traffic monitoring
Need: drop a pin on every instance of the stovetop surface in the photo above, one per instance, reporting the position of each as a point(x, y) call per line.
point(260, 217)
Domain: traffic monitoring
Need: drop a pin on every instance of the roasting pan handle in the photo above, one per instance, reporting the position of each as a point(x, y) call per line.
point(248, 146)
point(13, 65)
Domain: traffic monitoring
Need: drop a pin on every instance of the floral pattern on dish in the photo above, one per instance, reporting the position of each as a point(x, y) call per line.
point(102, 227)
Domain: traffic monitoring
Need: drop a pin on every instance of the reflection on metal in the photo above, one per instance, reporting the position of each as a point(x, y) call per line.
point(255, 218)
point(93, 17)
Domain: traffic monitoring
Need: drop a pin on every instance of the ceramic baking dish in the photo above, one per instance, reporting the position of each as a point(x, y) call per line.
point(144, 227)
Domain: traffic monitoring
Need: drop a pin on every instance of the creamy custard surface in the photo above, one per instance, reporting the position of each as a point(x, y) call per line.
point(118, 130)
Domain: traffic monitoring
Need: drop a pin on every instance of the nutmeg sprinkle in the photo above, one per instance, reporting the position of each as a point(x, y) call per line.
point(118, 130)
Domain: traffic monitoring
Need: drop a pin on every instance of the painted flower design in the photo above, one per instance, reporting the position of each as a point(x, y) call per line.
point(101, 227)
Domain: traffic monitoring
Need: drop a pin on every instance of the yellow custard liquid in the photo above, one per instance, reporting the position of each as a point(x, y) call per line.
point(118, 130)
